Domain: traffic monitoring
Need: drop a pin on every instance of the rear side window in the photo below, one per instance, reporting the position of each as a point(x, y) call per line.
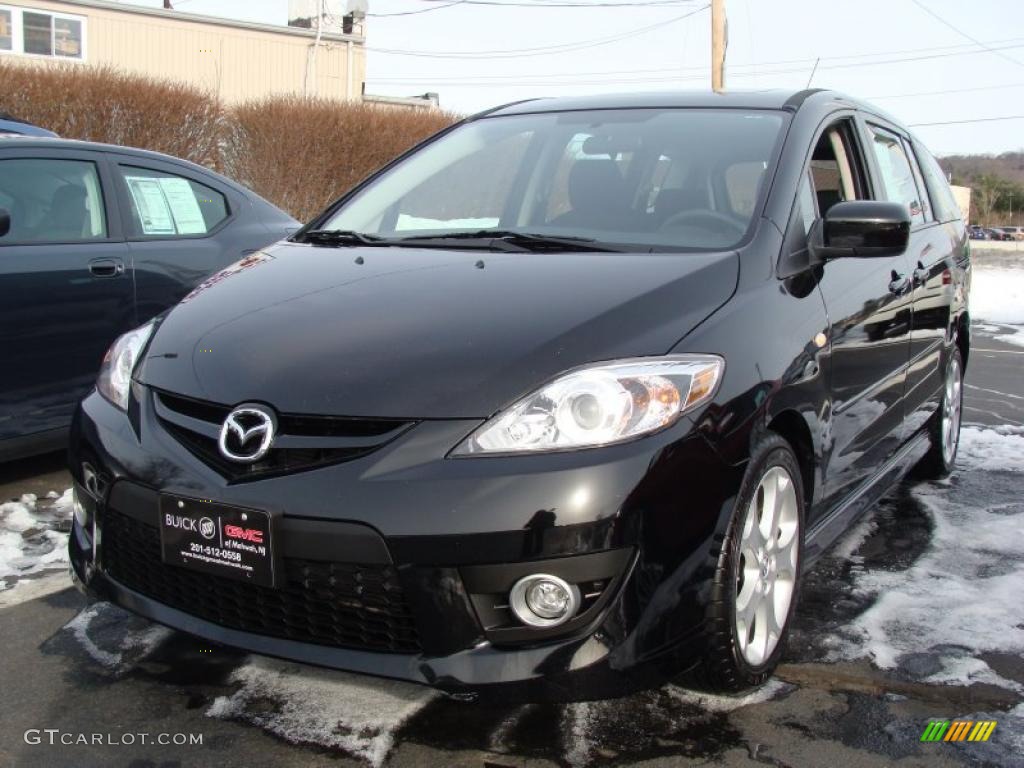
point(167, 205)
point(944, 205)
point(897, 183)
point(52, 201)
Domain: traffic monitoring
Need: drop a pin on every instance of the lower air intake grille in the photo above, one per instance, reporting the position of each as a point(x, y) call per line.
point(334, 604)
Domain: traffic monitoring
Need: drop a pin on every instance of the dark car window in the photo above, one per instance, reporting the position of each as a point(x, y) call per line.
point(673, 178)
point(52, 200)
point(926, 207)
point(898, 184)
point(944, 205)
point(168, 205)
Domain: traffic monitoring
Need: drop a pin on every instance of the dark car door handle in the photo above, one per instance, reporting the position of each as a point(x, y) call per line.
point(106, 267)
point(898, 284)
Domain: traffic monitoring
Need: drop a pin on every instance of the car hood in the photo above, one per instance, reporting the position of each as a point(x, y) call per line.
point(422, 333)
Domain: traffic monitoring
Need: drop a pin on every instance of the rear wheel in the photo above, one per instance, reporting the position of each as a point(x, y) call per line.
point(944, 428)
point(756, 574)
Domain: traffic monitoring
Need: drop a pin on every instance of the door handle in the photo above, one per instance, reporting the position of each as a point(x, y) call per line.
point(106, 267)
point(898, 284)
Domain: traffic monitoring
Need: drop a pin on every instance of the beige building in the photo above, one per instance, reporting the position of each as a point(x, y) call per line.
point(236, 60)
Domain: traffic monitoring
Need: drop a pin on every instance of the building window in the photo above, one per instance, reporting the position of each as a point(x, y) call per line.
point(40, 33)
point(67, 38)
point(6, 30)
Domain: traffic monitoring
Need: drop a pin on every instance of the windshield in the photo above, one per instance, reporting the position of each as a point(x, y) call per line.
point(675, 179)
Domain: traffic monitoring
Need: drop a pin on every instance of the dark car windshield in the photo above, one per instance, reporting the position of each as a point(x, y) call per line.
point(649, 178)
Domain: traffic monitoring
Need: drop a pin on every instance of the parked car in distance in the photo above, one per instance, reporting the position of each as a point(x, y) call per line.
point(558, 404)
point(976, 232)
point(95, 239)
point(12, 126)
point(1013, 233)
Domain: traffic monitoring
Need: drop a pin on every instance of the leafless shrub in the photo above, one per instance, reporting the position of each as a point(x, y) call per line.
point(108, 105)
point(302, 153)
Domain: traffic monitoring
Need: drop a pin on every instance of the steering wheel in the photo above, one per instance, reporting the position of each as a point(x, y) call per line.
point(703, 218)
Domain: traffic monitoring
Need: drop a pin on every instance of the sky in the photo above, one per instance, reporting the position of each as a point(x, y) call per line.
point(924, 61)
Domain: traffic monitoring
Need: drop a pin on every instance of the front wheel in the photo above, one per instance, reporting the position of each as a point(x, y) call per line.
point(944, 428)
point(757, 574)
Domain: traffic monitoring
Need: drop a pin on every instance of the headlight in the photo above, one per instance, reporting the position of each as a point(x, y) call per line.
point(118, 364)
point(600, 405)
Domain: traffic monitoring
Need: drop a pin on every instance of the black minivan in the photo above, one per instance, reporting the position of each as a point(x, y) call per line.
point(558, 404)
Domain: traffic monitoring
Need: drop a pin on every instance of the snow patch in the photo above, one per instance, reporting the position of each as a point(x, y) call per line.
point(997, 294)
point(33, 537)
point(115, 638)
point(991, 448)
point(962, 597)
point(307, 705)
point(714, 703)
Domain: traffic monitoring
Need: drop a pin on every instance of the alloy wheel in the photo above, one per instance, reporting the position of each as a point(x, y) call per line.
point(766, 577)
point(951, 406)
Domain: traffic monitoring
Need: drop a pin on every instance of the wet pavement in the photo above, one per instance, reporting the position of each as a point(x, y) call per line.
point(863, 674)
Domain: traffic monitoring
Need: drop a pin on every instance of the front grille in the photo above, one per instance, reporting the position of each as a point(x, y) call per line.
point(303, 441)
point(335, 604)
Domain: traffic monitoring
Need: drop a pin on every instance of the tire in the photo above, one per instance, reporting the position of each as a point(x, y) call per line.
point(944, 425)
point(743, 645)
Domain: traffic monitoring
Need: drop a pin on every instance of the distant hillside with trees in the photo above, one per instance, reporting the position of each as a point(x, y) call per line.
point(997, 182)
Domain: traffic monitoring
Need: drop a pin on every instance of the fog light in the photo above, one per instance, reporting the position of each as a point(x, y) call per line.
point(541, 600)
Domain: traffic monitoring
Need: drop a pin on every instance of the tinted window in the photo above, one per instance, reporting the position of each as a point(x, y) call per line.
point(674, 178)
point(167, 205)
point(944, 205)
point(52, 200)
point(897, 183)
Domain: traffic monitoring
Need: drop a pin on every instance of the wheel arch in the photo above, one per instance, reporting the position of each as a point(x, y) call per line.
point(794, 429)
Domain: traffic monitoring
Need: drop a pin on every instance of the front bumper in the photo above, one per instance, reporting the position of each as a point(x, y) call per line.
point(637, 523)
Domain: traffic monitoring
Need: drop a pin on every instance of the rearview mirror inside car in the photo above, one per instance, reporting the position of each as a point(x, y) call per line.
point(5, 222)
point(861, 228)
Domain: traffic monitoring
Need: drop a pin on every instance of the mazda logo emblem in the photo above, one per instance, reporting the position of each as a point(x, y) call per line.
point(247, 433)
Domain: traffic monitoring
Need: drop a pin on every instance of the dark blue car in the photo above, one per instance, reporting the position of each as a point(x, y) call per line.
point(12, 126)
point(95, 239)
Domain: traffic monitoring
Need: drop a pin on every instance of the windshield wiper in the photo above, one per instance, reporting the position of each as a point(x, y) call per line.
point(341, 237)
point(528, 240)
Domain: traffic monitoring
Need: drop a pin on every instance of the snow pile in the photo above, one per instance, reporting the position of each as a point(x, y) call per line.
point(308, 705)
point(33, 536)
point(997, 294)
point(962, 597)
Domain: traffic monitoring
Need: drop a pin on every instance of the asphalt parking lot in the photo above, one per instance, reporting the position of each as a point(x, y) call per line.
point(864, 672)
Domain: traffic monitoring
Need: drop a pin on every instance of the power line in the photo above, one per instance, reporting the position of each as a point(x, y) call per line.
point(541, 50)
point(669, 75)
point(413, 13)
point(954, 49)
point(960, 32)
point(964, 122)
point(973, 89)
point(613, 4)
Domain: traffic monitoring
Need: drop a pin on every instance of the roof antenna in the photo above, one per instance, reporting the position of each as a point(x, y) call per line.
point(815, 69)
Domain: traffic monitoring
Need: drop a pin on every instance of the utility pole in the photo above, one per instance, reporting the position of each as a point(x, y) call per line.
point(719, 42)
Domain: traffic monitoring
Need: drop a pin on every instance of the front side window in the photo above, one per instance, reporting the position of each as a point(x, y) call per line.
point(166, 205)
point(52, 201)
point(898, 182)
point(676, 179)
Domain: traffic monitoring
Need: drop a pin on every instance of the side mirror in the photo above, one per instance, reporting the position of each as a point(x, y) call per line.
point(5, 222)
point(861, 228)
